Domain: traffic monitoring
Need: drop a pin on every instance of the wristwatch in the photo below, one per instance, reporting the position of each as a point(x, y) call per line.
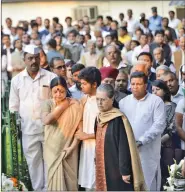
point(139, 143)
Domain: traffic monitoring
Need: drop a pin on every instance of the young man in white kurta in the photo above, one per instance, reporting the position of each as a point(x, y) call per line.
point(90, 78)
point(147, 118)
point(26, 98)
point(87, 155)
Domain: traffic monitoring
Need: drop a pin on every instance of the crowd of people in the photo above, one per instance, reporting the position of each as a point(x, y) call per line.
point(102, 105)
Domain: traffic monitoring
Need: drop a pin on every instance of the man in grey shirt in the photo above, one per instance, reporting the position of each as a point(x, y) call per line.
point(172, 82)
point(74, 48)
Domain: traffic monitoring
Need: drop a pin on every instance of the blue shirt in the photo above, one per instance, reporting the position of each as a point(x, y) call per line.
point(155, 23)
point(52, 53)
point(76, 93)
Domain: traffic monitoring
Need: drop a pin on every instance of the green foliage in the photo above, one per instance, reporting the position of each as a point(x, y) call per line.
point(13, 161)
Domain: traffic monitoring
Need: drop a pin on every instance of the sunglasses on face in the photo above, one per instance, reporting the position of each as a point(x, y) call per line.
point(60, 67)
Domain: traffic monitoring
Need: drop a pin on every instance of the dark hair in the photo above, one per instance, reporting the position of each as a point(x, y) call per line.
point(100, 17)
point(172, 12)
point(139, 75)
point(16, 41)
point(114, 21)
point(109, 35)
point(139, 30)
point(146, 53)
point(77, 67)
point(34, 24)
point(181, 68)
point(91, 75)
point(6, 35)
point(51, 64)
point(32, 21)
point(73, 31)
point(60, 81)
point(165, 18)
point(162, 85)
point(88, 35)
point(69, 63)
point(150, 35)
point(161, 32)
point(68, 18)
point(136, 42)
point(46, 20)
point(122, 70)
point(121, 14)
point(123, 28)
point(56, 19)
point(143, 34)
point(114, 34)
point(52, 43)
point(8, 18)
point(109, 18)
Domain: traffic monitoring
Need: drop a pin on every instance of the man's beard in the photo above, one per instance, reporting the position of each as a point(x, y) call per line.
point(78, 85)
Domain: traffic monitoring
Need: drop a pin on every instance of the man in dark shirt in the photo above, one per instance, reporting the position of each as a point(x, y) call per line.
point(165, 23)
point(121, 83)
point(159, 42)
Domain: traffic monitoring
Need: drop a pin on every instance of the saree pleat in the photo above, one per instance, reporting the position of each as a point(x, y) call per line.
point(62, 170)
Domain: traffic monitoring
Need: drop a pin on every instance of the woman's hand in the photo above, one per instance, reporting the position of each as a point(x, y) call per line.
point(64, 103)
point(81, 135)
point(126, 178)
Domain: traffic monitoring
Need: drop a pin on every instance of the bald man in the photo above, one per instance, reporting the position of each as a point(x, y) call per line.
point(141, 67)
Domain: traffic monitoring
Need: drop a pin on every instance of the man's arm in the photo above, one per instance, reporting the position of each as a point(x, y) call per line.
point(179, 122)
point(158, 125)
point(14, 100)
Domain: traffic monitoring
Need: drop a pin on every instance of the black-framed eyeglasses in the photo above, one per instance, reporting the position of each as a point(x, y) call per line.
point(60, 67)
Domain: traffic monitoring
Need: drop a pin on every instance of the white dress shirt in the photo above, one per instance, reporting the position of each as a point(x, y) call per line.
point(7, 31)
point(132, 25)
point(9, 58)
point(147, 118)
point(174, 23)
point(137, 51)
point(26, 98)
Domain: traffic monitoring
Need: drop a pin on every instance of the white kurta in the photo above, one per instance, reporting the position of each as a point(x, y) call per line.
point(26, 98)
point(147, 118)
point(87, 154)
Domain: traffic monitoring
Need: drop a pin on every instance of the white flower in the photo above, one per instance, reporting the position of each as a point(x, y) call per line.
point(181, 163)
point(173, 169)
point(8, 185)
point(23, 186)
point(170, 181)
point(3, 178)
point(171, 188)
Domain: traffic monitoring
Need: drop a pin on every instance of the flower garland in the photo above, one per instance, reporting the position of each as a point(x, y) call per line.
point(176, 182)
point(12, 184)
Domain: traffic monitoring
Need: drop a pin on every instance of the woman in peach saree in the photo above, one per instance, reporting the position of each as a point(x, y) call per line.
point(61, 116)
